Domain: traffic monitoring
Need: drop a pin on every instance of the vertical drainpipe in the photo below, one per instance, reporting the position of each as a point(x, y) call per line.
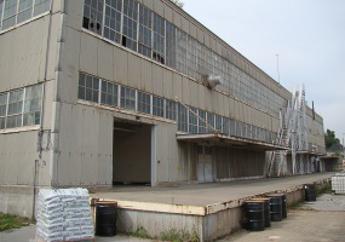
point(55, 106)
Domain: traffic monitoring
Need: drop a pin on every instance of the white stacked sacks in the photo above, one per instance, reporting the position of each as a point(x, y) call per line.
point(338, 183)
point(64, 215)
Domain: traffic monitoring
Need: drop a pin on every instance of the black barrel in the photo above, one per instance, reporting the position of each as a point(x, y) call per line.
point(255, 215)
point(267, 209)
point(284, 206)
point(106, 220)
point(310, 193)
point(276, 206)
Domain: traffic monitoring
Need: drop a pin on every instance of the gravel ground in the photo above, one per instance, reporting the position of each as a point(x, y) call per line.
point(321, 221)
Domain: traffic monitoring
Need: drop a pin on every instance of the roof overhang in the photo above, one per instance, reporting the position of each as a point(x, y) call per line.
point(217, 139)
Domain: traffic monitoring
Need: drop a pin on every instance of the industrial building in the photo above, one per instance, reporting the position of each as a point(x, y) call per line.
point(105, 92)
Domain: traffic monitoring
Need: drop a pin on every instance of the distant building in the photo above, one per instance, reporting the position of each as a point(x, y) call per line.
point(96, 93)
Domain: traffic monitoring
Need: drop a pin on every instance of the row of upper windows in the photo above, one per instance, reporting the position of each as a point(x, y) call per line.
point(189, 119)
point(131, 24)
point(14, 12)
point(21, 107)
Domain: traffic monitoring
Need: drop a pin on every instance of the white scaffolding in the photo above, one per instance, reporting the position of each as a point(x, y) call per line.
point(292, 133)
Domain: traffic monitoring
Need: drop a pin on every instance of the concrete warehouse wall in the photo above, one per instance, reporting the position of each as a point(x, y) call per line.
point(73, 146)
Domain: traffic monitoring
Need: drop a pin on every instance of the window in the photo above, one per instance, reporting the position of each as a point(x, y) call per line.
point(181, 50)
point(158, 106)
point(88, 88)
point(15, 109)
point(130, 21)
point(202, 122)
point(144, 102)
point(170, 45)
point(226, 126)
point(93, 15)
point(193, 120)
point(170, 107)
point(24, 10)
point(238, 128)
point(182, 118)
point(210, 122)
point(3, 105)
point(1, 7)
point(158, 38)
point(145, 31)
point(32, 105)
point(112, 20)
point(9, 15)
point(219, 122)
point(232, 127)
point(42, 6)
point(127, 98)
point(109, 93)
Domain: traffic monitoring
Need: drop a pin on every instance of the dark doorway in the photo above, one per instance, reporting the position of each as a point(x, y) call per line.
point(131, 153)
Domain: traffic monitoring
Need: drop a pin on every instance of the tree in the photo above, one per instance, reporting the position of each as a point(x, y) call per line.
point(178, 3)
point(332, 142)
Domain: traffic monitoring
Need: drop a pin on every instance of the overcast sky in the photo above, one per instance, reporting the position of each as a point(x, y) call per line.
point(308, 35)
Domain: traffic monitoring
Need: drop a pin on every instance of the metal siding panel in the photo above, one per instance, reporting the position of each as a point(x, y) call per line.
point(88, 54)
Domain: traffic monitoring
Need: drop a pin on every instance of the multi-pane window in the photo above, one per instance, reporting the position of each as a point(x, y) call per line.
point(1, 7)
point(128, 98)
point(219, 120)
point(112, 20)
point(202, 122)
point(21, 107)
point(158, 38)
point(41, 6)
point(24, 10)
point(15, 109)
point(3, 106)
point(158, 106)
point(13, 12)
point(145, 31)
point(193, 120)
point(130, 22)
point(232, 127)
point(109, 93)
point(9, 15)
point(144, 102)
point(226, 126)
point(182, 118)
point(170, 45)
point(93, 15)
point(32, 105)
point(181, 50)
point(170, 108)
point(210, 122)
point(88, 88)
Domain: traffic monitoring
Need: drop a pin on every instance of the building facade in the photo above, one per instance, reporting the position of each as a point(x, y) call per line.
point(103, 92)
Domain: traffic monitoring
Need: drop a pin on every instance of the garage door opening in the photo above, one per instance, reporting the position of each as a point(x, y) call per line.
point(131, 153)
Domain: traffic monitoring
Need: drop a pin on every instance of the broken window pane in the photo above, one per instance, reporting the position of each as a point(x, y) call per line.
point(93, 15)
point(112, 20)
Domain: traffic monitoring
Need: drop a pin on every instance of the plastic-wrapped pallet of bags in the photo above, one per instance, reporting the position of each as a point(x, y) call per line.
point(64, 215)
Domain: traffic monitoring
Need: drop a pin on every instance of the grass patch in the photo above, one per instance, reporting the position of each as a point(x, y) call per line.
point(8, 222)
point(179, 236)
point(140, 233)
point(324, 188)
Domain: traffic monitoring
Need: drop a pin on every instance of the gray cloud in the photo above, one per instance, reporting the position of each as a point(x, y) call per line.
point(309, 36)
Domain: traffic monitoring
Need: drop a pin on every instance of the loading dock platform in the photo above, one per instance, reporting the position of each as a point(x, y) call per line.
point(209, 210)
